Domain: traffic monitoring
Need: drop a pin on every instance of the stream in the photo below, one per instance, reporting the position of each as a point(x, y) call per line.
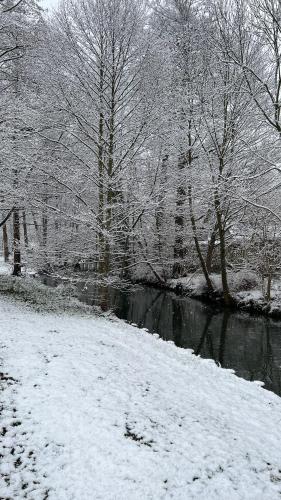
point(250, 345)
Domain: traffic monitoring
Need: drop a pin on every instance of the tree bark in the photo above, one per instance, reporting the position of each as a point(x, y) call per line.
point(44, 230)
point(210, 250)
point(35, 223)
point(16, 235)
point(179, 250)
point(5, 243)
point(25, 235)
point(268, 288)
point(226, 293)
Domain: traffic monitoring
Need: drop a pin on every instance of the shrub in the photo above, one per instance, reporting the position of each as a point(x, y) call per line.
point(244, 280)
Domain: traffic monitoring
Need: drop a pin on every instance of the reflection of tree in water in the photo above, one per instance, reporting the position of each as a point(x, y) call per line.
point(150, 307)
point(104, 298)
point(135, 306)
point(177, 321)
point(267, 367)
point(206, 339)
point(205, 336)
point(270, 369)
point(223, 334)
point(258, 361)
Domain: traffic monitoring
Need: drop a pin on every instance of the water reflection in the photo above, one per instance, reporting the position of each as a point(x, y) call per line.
point(249, 345)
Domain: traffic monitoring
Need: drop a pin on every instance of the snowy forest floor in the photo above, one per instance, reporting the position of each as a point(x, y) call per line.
point(93, 408)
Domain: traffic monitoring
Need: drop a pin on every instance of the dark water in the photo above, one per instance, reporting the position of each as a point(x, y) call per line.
point(249, 345)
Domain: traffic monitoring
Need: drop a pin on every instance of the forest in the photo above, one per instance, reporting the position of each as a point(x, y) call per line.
point(142, 139)
point(140, 169)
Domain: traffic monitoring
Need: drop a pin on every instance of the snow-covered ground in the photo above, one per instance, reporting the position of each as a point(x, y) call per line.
point(96, 409)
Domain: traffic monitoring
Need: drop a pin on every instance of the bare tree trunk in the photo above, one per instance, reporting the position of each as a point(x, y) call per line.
point(125, 260)
point(197, 245)
point(25, 235)
point(160, 214)
point(16, 234)
point(268, 288)
point(44, 230)
point(179, 250)
point(45, 237)
point(35, 223)
point(193, 219)
point(101, 237)
point(226, 293)
point(5, 243)
point(111, 193)
point(210, 250)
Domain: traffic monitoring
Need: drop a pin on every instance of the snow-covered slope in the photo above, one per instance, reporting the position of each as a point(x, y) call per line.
point(97, 409)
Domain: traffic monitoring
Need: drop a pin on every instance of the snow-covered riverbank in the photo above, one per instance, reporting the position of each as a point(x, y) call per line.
point(96, 409)
point(246, 296)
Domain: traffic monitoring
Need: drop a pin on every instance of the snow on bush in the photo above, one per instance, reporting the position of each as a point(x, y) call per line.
point(42, 297)
point(244, 280)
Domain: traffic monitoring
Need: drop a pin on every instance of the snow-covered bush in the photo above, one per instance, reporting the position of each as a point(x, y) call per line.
point(244, 280)
point(41, 296)
point(199, 285)
point(68, 290)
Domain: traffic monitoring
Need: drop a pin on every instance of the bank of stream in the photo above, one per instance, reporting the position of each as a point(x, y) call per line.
point(248, 344)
